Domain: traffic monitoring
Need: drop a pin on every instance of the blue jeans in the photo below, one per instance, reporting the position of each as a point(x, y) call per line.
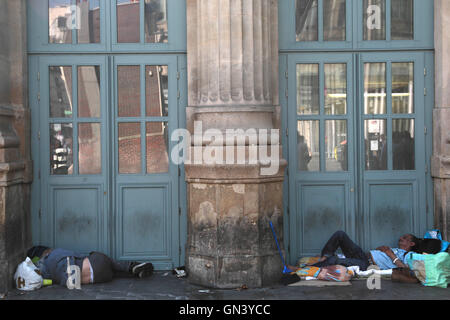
point(354, 255)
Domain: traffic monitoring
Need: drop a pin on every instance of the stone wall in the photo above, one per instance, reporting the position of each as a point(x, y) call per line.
point(441, 119)
point(15, 158)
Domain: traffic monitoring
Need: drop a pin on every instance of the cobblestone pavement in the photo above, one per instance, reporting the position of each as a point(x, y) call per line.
point(165, 286)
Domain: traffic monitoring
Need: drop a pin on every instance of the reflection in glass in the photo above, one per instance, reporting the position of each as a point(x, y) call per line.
point(61, 149)
point(374, 19)
point(157, 147)
point(128, 21)
point(336, 145)
point(334, 20)
point(374, 88)
point(308, 89)
point(375, 144)
point(308, 150)
point(156, 21)
point(129, 147)
point(60, 79)
point(89, 11)
point(403, 150)
point(335, 88)
point(59, 21)
point(403, 87)
point(90, 151)
point(402, 19)
point(306, 20)
point(157, 91)
point(89, 92)
point(129, 94)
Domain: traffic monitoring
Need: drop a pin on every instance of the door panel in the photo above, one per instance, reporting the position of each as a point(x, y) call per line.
point(321, 144)
point(74, 165)
point(145, 228)
point(356, 148)
point(146, 182)
point(77, 220)
point(391, 211)
point(392, 144)
point(324, 208)
point(107, 183)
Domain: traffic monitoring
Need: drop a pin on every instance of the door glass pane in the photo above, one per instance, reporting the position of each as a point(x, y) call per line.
point(403, 144)
point(128, 21)
point(157, 91)
point(89, 11)
point(403, 87)
point(375, 144)
point(90, 151)
point(157, 147)
point(89, 92)
point(374, 19)
point(61, 149)
point(129, 94)
point(306, 20)
point(374, 88)
point(129, 147)
point(156, 21)
point(59, 21)
point(335, 88)
point(402, 19)
point(308, 150)
point(60, 79)
point(308, 89)
point(336, 145)
point(334, 20)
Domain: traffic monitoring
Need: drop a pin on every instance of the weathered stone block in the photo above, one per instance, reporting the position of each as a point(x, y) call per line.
point(230, 241)
point(4, 277)
point(440, 162)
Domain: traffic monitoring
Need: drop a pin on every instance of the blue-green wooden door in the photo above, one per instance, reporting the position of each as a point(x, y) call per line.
point(146, 182)
point(107, 82)
point(73, 162)
point(320, 186)
point(357, 147)
point(101, 130)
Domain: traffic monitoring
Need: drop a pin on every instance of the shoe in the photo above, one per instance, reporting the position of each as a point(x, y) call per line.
point(142, 270)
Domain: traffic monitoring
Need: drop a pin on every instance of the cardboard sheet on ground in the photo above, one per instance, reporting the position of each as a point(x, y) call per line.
point(319, 283)
point(335, 276)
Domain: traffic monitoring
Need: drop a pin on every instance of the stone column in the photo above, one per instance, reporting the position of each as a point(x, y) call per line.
point(441, 118)
point(233, 106)
point(15, 159)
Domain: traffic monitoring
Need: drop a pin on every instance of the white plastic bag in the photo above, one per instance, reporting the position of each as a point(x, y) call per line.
point(27, 276)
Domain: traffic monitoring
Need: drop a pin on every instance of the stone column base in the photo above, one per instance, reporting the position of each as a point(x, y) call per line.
point(15, 227)
point(230, 242)
point(442, 206)
point(440, 169)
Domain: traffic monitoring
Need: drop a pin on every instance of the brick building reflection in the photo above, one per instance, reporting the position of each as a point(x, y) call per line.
point(128, 92)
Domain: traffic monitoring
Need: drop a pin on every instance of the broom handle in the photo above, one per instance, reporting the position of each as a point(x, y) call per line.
point(278, 246)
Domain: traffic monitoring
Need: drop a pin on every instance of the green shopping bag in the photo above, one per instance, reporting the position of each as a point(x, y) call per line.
point(431, 269)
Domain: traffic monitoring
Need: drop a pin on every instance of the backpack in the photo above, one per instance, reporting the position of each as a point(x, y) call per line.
point(436, 234)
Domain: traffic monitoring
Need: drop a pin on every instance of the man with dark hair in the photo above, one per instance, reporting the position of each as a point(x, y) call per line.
point(95, 268)
point(384, 257)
